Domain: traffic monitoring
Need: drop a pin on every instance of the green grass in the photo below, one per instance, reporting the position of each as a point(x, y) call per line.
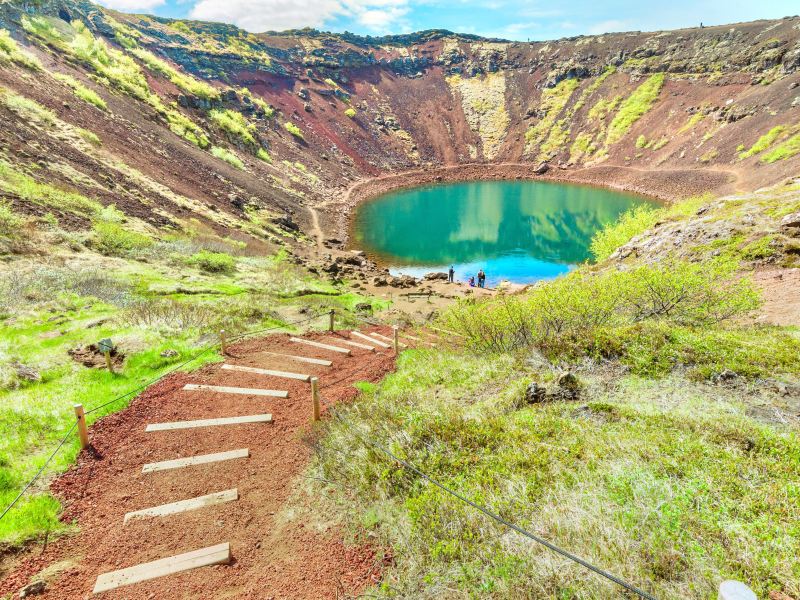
point(81, 91)
point(186, 83)
point(27, 109)
point(262, 154)
point(294, 130)
point(115, 239)
point(28, 189)
point(350, 112)
point(764, 142)
point(34, 417)
point(636, 478)
point(553, 101)
point(787, 149)
point(634, 107)
point(228, 156)
point(235, 124)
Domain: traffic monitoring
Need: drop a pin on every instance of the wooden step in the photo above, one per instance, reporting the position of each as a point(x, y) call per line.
point(410, 337)
point(184, 505)
point(320, 346)
point(209, 422)
point(371, 340)
point(375, 334)
point(383, 337)
point(191, 461)
point(358, 345)
point(446, 331)
point(205, 557)
point(305, 359)
point(222, 389)
point(269, 372)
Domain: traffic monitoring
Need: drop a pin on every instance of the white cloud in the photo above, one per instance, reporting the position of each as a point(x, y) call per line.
point(264, 15)
point(131, 5)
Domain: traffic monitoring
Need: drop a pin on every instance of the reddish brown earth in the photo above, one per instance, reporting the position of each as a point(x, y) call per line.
point(273, 556)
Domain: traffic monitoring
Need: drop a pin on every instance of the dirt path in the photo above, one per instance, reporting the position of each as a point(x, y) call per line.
point(274, 555)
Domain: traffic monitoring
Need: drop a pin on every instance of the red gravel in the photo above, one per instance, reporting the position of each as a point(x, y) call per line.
point(271, 559)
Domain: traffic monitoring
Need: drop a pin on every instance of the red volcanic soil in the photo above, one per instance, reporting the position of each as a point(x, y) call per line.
point(273, 556)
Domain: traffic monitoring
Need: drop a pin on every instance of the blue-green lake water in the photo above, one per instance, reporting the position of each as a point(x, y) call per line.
point(520, 231)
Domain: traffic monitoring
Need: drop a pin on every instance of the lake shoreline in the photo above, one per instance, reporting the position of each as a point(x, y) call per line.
point(660, 185)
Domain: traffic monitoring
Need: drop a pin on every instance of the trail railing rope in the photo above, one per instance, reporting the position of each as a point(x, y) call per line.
point(316, 397)
point(80, 418)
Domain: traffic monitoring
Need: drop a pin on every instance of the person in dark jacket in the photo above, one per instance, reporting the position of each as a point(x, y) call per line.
point(450, 274)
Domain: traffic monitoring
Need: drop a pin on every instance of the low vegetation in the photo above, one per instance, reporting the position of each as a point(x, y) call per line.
point(634, 107)
point(294, 130)
point(228, 156)
point(10, 52)
point(186, 83)
point(81, 91)
point(235, 124)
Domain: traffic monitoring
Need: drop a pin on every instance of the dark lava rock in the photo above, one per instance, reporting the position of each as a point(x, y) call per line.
point(541, 168)
point(535, 393)
point(286, 222)
point(436, 276)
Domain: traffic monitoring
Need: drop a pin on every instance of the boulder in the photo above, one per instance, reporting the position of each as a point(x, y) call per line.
point(33, 589)
point(541, 168)
point(535, 393)
point(791, 221)
point(27, 373)
point(286, 222)
point(435, 276)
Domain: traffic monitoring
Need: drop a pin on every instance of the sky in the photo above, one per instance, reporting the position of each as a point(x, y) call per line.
point(515, 20)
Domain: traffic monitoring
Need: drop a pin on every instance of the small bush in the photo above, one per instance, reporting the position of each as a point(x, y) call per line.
point(27, 109)
point(228, 156)
point(787, 149)
point(171, 314)
point(213, 262)
point(294, 130)
point(10, 223)
point(186, 83)
point(27, 188)
point(350, 112)
point(262, 154)
point(112, 239)
point(89, 136)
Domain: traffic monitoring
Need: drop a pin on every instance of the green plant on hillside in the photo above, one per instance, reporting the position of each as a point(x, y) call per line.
point(630, 224)
point(350, 112)
point(81, 91)
point(184, 82)
point(27, 109)
point(603, 108)
point(213, 262)
point(593, 87)
point(235, 124)
point(268, 110)
point(709, 155)
point(764, 142)
point(634, 107)
point(262, 154)
point(228, 156)
point(11, 52)
point(294, 130)
point(10, 222)
point(552, 103)
point(112, 239)
point(784, 150)
point(693, 120)
point(641, 142)
point(89, 137)
point(18, 183)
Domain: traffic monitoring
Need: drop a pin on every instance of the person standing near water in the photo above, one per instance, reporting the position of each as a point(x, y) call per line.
point(481, 278)
point(450, 274)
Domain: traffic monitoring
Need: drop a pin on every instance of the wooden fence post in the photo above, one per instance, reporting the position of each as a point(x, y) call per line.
point(223, 341)
point(395, 330)
point(83, 431)
point(109, 364)
point(315, 398)
point(330, 323)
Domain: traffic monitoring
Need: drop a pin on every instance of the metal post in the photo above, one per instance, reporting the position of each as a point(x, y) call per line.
point(315, 398)
point(395, 330)
point(330, 323)
point(83, 431)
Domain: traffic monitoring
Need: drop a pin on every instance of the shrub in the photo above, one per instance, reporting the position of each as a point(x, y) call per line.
point(632, 223)
point(81, 91)
point(27, 109)
point(184, 127)
point(641, 142)
point(350, 112)
point(610, 314)
point(112, 239)
point(89, 136)
point(10, 222)
point(30, 190)
point(262, 154)
point(636, 105)
point(228, 156)
point(213, 262)
point(294, 130)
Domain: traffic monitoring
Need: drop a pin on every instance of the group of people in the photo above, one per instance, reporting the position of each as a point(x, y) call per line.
point(481, 277)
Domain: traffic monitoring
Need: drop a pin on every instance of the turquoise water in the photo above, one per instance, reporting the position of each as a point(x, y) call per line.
point(521, 231)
